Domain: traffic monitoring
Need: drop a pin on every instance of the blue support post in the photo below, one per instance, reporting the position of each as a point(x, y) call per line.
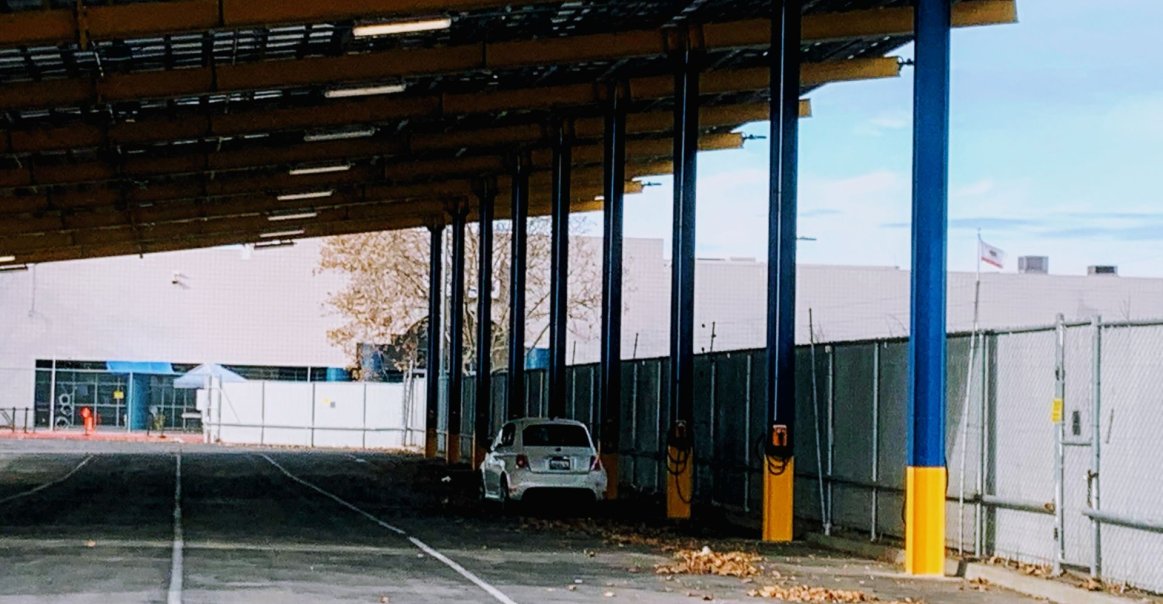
point(559, 267)
point(680, 439)
point(517, 270)
point(456, 338)
point(926, 477)
point(609, 426)
point(432, 357)
point(779, 467)
point(482, 429)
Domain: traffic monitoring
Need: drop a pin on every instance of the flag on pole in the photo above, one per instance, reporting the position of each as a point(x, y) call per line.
point(991, 255)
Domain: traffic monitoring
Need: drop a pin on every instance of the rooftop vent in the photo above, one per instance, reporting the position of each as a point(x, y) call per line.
point(1102, 269)
point(1034, 265)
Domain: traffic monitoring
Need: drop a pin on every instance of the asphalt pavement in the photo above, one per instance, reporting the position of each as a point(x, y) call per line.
point(108, 522)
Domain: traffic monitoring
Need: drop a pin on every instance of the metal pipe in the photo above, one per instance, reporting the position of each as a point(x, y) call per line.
point(925, 549)
point(1092, 478)
point(52, 398)
point(982, 453)
point(432, 357)
point(875, 439)
point(1058, 408)
point(482, 429)
point(1153, 526)
point(614, 173)
point(559, 266)
point(517, 269)
point(456, 338)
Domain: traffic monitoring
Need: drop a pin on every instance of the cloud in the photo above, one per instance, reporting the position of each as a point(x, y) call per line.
point(993, 223)
point(977, 189)
point(885, 122)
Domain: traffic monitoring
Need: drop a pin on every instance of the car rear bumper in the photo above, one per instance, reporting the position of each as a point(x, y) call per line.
point(523, 482)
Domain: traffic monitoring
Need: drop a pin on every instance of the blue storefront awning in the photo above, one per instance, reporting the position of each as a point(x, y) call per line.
point(141, 367)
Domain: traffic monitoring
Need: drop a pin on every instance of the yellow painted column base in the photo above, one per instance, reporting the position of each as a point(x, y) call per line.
point(925, 521)
point(778, 498)
point(430, 444)
point(453, 449)
point(679, 483)
point(610, 463)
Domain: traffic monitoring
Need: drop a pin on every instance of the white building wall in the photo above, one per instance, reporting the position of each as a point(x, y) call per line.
point(265, 308)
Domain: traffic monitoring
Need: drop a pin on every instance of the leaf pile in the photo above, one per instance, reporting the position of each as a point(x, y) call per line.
point(709, 562)
point(819, 595)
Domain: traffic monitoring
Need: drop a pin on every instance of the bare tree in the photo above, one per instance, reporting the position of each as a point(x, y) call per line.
point(386, 296)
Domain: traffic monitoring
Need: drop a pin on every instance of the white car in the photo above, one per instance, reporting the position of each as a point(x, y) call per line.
point(537, 454)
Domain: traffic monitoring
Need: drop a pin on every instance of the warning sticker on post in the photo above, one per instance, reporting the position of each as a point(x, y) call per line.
point(1056, 411)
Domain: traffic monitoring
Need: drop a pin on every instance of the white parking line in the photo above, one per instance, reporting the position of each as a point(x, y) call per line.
point(462, 571)
point(175, 592)
point(48, 484)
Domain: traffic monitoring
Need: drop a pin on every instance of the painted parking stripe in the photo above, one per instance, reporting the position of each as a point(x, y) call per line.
point(460, 570)
point(174, 595)
point(48, 484)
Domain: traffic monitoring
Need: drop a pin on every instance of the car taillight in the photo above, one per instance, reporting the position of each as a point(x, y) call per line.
point(522, 461)
point(595, 464)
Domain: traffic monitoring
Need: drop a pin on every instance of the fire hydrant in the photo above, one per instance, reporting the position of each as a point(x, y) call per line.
point(90, 420)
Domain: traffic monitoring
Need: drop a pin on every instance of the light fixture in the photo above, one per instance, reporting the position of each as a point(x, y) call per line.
point(296, 216)
point(338, 135)
point(282, 234)
point(7, 259)
point(307, 170)
point(392, 28)
point(307, 195)
point(266, 245)
point(340, 93)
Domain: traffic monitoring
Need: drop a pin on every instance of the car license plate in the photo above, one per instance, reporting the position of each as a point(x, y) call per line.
point(559, 463)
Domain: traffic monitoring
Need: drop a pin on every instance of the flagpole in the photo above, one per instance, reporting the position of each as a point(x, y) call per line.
point(965, 405)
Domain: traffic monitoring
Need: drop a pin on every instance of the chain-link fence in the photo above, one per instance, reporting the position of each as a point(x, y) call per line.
point(1024, 469)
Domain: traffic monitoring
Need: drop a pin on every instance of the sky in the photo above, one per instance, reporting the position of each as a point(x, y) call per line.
point(1056, 150)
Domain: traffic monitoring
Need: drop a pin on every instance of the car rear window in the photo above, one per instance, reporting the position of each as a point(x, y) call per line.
point(555, 435)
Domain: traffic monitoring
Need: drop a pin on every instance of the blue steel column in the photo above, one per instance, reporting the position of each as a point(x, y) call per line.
point(926, 480)
point(559, 267)
point(779, 472)
point(517, 268)
point(432, 358)
point(680, 440)
point(482, 429)
point(456, 339)
point(609, 426)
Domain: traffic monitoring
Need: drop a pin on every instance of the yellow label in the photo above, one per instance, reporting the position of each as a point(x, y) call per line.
point(1056, 411)
point(118, 395)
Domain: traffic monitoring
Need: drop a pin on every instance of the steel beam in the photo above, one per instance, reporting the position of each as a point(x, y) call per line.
point(609, 427)
point(482, 422)
point(123, 21)
point(333, 114)
point(485, 56)
point(143, 239)
point(680, 438)
point(519, 234)
point(926, 474)
point(432, 355)
point(559, 267)
point(779, 467)
point(456, 336)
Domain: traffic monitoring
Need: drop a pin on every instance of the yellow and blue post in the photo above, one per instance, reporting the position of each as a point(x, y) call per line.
point(779, 466)
point(926, 475)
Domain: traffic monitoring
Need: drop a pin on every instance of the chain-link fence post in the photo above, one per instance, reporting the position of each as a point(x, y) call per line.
point(1092, 478)
point(1056, 412)
point(875, 441)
